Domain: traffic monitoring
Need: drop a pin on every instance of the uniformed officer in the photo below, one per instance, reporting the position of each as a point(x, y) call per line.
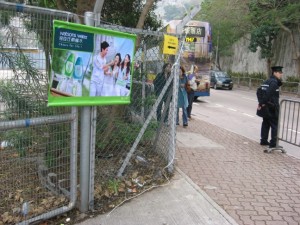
point(271, 100)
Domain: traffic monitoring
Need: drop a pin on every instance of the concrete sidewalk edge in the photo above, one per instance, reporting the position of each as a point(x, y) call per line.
point(212, 202)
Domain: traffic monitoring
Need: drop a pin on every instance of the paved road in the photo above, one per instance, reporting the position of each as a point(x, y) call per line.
point(235, 111)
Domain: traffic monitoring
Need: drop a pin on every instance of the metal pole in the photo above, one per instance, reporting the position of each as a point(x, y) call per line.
point(85, 138)
point(8, 125)
point(92, 157)
point(85, 133)
point(97, 11)
point(172, 148)
point(143, 89)
point(217, 49)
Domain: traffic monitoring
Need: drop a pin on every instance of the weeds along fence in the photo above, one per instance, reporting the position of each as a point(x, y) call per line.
point(253, 83)
point(132, 146)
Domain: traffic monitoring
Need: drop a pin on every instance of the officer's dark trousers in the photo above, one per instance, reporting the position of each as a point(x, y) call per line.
point(265, 128)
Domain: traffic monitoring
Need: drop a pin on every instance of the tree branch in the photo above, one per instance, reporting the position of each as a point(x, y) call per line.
point(61, 5)
point(144, 13)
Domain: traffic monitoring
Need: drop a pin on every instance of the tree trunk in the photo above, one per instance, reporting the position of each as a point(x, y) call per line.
point(61, 5)
point(142, 18)
point(144, 13)
point(268, 67)
point(84, 6)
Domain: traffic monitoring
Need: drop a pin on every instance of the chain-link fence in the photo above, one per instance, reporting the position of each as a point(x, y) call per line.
point(133, 146)
point(38, 144)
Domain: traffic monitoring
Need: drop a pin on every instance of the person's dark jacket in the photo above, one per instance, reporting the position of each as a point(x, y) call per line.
point(159, 82)
point(272, 95)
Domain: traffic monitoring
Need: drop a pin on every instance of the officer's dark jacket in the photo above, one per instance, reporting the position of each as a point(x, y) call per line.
point(272, 93)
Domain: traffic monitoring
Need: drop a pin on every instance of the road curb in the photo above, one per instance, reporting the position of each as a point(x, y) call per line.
point(212, 202)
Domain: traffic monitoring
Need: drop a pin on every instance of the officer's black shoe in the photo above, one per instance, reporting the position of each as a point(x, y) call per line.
point(264, 143)
point(272, 145)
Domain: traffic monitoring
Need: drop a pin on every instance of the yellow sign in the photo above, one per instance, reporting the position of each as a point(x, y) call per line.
point(170, 45)
point(190, 39)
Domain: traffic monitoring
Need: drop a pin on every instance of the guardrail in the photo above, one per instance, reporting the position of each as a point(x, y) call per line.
point(289, 122)
point(252, 83)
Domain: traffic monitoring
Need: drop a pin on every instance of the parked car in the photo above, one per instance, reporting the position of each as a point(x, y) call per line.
point(220, 79)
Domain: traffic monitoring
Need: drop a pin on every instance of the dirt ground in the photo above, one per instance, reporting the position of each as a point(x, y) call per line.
point(21, 185)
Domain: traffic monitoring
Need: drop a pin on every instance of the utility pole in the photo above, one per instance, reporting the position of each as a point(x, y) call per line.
point(217, 48)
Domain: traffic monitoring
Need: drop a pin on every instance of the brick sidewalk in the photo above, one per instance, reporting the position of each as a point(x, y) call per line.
point(251, 186)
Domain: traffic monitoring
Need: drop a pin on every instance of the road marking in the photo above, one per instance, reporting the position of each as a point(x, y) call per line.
point(219, 105)
point(247, 115)
point(251, 99)
point(234, 110)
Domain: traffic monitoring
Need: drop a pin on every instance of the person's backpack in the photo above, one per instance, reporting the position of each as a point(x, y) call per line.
point(261, 93)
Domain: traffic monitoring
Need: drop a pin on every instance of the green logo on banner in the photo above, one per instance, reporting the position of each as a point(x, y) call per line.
point(73, 40)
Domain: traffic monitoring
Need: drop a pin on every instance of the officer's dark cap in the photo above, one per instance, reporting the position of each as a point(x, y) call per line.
point(277, 68)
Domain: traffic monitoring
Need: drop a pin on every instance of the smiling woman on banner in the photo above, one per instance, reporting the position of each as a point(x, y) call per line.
point(123, 79)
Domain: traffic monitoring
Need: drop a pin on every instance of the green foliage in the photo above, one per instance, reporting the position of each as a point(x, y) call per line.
point(263, 19)
point(113, 185)
point(263, 37)
point(120, 12)
point(19, 140)
point(247, 75)
point(265, 30)
point(22, 94)
point(268, 17)
point(292, 79)
point(127, 13)
point(5, 18)
point(229, 20)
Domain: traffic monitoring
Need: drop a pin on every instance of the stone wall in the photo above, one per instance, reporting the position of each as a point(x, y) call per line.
point(243, 60)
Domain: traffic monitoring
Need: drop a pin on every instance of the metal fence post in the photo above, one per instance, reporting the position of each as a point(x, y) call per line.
point(85, 131)
point(143, 89)
point(172, 147)
point(85, 138)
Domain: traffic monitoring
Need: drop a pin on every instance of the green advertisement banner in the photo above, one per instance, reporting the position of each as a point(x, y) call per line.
point(90, 66)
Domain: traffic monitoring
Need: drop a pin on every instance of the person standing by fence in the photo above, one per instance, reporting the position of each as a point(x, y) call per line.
point(191, 91)
point(159, 83)
point(182, 97)
point(270, 100)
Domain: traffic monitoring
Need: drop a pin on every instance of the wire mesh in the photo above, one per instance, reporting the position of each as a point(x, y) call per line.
point(136, 141)
point(119, 127)
point(34, 160)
